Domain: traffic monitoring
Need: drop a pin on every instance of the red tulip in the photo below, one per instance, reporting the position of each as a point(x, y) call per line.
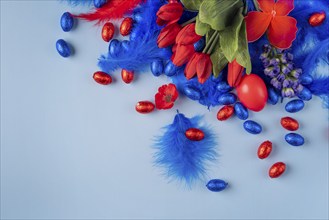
point(187, 35)
point(169, 13)
point(182, 54)
point(234, 74)
point(199, 64)
point(281, 29)
point(168, 35)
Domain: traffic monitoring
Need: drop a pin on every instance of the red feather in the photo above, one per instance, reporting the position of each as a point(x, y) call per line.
point(113, 9)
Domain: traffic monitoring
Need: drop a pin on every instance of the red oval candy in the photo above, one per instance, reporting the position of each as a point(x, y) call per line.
point(144, 107)
point(289, 123)
point(225, 113)
point(127, 76)
point(126, 26)
point(108, 31)
point(277, 169)
point(194, 134)
point(102, 78)
point(316, 19)
point(264, 149)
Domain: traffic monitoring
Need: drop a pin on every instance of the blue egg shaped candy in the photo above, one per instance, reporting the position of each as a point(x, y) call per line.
point(67, 21)
point(306, 79)
point(125, 44)
point(227, 99)
point(63, 48)
point(294, 106)
point(223, 87)
point(294, 139)
point(157, 67)
point(273, 96)
point(199, 45)
point(252, 127)
point(216, 185)
point(240, 111)
point(305, 94)
point(170, 69)
point(192, 93)
point(114, 48)
point(99, 3)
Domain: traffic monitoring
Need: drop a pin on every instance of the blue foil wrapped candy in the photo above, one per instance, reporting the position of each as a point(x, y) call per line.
point(67, 21)
point(252, 127)
point(191, 92)
point(240, 111)
point(294, 139)
point(294, 106)
point(63, 48)
point(227, 99)
point(157, 67)
point(216, 185)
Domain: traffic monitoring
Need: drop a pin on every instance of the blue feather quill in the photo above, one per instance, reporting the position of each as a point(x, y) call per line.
point(142, 48)
point(79, 2)
point(182, 159)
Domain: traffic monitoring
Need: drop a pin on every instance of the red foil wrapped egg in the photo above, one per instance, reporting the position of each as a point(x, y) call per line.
point(316, 19)
point(277, 169)
point(289, 123)
point(126, 26)
point(144, 107)
point(264, 149)
point(194, 134)
point(225, 113)
point(102, 78)
point(108, 31)
point(127, 76)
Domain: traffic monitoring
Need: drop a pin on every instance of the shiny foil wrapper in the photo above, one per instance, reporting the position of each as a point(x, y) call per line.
point(194, 134)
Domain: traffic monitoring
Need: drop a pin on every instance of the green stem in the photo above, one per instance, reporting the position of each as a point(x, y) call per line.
point(213, 44)
point(209, 42)
point(256, 4)
point(189, 21)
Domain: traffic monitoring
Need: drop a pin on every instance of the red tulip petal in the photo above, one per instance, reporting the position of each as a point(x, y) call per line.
point(190, 69)
point(187, 35)
point(204, 68)
point(183, 54)
point(257, 23)
point(283, 7)
point(282, 31)
point(266, 5)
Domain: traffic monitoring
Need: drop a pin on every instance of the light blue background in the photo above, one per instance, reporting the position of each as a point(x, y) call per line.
point(71, 148)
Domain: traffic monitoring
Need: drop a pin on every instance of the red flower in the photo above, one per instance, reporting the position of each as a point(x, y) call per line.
point(234, 73)
point(169, 13)
point(281, 28)
point(182, 54)
point(166, 96)
point(187, 35)
point(199, 64)
point(168, 35)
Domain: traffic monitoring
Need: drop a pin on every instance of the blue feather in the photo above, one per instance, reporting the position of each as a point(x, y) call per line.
point(142, 48)
point(182, 159)
point(79, 2)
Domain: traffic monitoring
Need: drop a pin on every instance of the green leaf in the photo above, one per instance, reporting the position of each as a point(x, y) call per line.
point(229, 38)
point(242, 56)
point(201, 28)
point(218, 61)
point(219, 14)
point(192, 5)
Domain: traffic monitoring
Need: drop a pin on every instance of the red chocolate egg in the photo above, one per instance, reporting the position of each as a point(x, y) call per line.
point(144, 107)
point(126, 26)
point(277, 169)
point(316, 19)
point(289, 123)
point(264, 149)
point(252, 92)
point(127, 76)
point(194, 134)
point(108, 31)
point(102, 78)
point(225, 113)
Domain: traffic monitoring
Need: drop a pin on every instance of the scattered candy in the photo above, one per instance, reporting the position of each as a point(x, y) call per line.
point(108, 31)
point(170, 69)
point(264, 149)
point(294, 106)
point(194, 134)
point(102, 78)
point(306, 79)
point(273, 96)
point(127, 76)
point(191, 92)
point(277, 169)
point(144, 107)
point(99, 3)
point(157, 67)
point(225, 113)
point(289, 123)
point(216, 185)
point(114, 48)
point(67, 21)
point(241, 111)
point(305, 94)
point(294, 139)
point(224, 87)
point(252, 127)
point(126, 26)
point(316, 19)
point(63, 48)
point(227, 99)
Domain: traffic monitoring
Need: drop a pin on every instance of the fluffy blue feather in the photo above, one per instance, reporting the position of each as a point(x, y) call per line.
point(182, 159)
point(79, 2)
point(142, 48)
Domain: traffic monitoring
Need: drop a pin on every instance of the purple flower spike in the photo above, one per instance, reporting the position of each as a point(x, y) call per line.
point(288, 92)
point(276, 83)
